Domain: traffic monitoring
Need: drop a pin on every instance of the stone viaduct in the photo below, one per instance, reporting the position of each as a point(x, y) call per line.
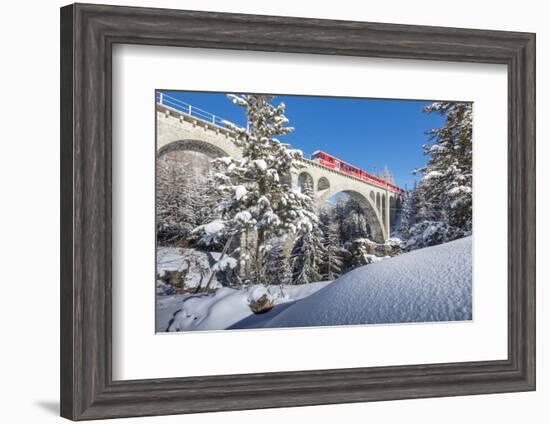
point(188, 128)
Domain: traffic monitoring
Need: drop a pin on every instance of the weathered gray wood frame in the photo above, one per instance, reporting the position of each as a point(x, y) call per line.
point(88, 33)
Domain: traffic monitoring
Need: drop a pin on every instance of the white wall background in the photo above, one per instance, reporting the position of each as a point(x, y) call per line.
point(29, 224)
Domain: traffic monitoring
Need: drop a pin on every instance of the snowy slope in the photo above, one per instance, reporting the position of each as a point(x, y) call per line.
point(225, 307)
point(431, 284)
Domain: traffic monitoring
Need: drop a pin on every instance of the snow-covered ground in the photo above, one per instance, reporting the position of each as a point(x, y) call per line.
point(225, 307)
point(430, 284)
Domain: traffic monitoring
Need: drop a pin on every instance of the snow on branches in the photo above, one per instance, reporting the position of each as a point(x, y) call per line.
point(309, 252)
point(255, 187)
point(443, 198)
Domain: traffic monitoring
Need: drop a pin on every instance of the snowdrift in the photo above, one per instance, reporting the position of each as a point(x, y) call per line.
point(430, 284)
point(226, 307)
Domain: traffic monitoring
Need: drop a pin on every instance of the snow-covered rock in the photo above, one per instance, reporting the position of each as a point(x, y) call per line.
point(192, 266)
point(256, 292)
point(260, 299)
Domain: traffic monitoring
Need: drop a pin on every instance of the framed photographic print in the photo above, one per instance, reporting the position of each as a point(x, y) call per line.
point(264, 212)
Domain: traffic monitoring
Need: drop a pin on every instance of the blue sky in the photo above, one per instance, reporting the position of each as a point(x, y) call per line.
point(368, 133)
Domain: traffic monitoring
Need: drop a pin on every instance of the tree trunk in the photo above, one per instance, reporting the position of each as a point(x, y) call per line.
point(224, 251)
point(259, 271)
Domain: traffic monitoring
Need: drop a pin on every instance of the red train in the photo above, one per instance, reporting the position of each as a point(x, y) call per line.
point(334, 163)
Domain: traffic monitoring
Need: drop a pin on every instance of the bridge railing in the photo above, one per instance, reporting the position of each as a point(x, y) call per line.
point(183, 107)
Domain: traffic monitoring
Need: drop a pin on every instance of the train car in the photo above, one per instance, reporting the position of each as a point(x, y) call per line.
point(325, 160)
point(331, 162)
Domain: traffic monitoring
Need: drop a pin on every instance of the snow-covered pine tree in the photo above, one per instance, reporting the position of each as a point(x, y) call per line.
point(209, 206)
point(278, 270)
point(257, 199)
point(327, 217)
point(443, 198)
point(309, 251)
point(412, 204)
point(207, 209)
point(175, 203)
point(405, 218)
point(447, 178)
point(306, 260)
point(333, 262)
point(354, 224)
point(340, 214)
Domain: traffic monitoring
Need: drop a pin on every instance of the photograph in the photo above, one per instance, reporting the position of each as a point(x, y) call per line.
point(280, 211)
